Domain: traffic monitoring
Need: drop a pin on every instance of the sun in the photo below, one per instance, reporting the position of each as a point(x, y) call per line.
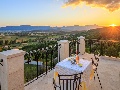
point(113, 25)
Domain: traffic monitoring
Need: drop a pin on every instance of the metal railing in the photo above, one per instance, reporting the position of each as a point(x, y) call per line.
point(39, 62)
point(72, 47)
point(103, 47)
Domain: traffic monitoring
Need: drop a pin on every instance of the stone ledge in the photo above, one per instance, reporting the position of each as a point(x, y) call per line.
point(110, 58)
point(12, 53)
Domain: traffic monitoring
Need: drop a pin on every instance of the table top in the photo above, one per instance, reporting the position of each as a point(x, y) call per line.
point(65, 67)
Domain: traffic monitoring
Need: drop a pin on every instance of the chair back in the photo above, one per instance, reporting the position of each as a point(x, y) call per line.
point(68, 82)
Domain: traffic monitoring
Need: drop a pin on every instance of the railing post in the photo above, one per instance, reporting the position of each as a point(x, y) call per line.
point(46, 60)
point(51, 66)
point(36, 59)
point(90, 46)
point(59, 46)
point(101, 49)
point(69, 48)
point(64, 50)
point(81, 41)
point(12, 71)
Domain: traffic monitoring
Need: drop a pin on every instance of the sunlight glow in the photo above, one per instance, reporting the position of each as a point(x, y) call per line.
point(113, 25)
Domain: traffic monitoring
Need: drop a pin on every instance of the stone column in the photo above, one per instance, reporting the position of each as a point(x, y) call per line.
point(64, 49)
point(12, 71)
point(0, 71)
point(81, 39)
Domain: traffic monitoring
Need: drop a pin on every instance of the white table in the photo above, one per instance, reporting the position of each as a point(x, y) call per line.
point(66, 68)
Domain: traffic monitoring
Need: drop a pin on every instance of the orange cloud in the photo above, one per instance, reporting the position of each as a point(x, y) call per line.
point(111, 5)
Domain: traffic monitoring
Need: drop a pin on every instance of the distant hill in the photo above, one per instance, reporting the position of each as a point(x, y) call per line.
point(24, 28)
point(48, 28)
point(106, 33)
point(80, 28)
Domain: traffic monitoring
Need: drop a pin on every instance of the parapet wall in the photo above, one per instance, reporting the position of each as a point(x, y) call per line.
point(110, 58)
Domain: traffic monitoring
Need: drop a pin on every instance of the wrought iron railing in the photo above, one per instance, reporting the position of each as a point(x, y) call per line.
point(73, 45)
point(39, 62)
point(103, 47)
point(99, 47)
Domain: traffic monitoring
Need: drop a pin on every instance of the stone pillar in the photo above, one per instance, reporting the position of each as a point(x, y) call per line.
point(12, 71)
point(0, 71)
point(64, 49)
point(81, 39)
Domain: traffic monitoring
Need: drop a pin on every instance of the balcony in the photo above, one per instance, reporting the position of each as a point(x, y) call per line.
point(108, 71)
point(39, 64)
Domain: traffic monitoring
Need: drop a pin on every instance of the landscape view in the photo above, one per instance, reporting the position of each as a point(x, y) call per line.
point(37, 26)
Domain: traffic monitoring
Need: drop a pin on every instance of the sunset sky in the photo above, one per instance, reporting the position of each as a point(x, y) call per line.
point(59, 12)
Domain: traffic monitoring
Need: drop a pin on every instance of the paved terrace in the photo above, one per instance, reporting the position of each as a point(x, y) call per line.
point(108, 70)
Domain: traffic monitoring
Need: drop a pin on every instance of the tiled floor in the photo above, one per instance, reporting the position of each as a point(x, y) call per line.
point(108, 70)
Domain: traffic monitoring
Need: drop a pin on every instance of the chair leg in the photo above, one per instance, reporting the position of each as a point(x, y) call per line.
point(99, 80)
point(94, 75)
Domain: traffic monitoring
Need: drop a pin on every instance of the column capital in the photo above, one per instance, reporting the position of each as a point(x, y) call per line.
point(81, 37)
point(12, 53)
point(63, 41)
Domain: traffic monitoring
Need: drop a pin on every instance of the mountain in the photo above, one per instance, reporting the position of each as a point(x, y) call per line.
point(24, 28)
point(48, 28)
point(79, 28)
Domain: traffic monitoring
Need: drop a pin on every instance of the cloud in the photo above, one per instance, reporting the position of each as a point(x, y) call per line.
point(111, 5)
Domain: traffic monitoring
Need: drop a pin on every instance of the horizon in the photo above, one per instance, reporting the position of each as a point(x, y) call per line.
point(53, 26)
point(59, 13)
